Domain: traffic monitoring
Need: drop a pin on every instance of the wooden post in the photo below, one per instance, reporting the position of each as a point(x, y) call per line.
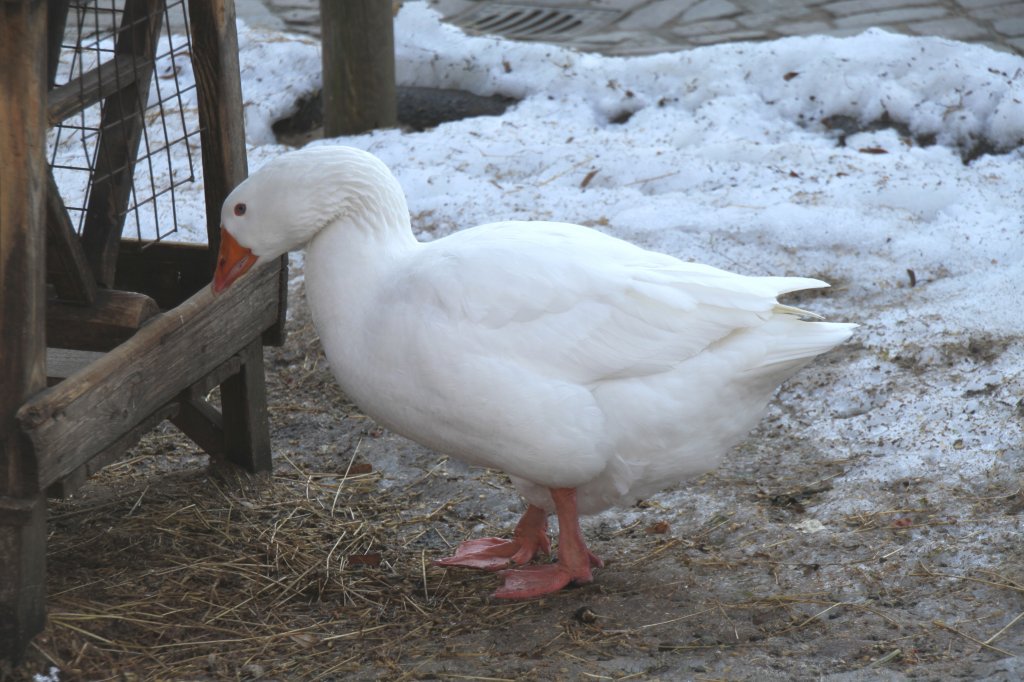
point(215, 62)
point(359, 66)
point(121, 127)
point(243, 400)
point(23, 80)
point(221, 117)
point(222, 128)
point(56, 21)
point(219, 87)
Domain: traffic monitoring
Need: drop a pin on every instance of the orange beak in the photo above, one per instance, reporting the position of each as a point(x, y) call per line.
point(233, 261)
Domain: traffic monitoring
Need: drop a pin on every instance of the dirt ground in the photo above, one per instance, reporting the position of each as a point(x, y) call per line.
point(163, 568)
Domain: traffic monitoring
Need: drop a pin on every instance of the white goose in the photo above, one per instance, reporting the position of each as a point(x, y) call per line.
point(590, 370)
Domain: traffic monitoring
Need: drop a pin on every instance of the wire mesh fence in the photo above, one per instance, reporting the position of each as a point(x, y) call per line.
point(93, 68)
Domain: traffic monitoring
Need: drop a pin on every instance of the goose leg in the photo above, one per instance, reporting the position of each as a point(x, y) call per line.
point(574, 559)
point(529, 539)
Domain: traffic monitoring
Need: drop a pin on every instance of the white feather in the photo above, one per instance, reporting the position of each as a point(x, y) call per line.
point(560, 355)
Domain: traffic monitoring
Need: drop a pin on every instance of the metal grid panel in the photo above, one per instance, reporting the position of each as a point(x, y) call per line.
point(167, 137)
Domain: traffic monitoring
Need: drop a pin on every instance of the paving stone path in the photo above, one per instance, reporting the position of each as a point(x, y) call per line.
point(646, 26)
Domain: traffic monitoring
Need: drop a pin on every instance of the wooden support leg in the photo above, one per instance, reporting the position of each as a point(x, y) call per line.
point(243, 399)
point(200, 421)
point(22, 573)
point(22, 341)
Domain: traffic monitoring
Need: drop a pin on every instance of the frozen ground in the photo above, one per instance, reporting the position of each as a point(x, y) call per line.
point(835, 158)
point(877, 511)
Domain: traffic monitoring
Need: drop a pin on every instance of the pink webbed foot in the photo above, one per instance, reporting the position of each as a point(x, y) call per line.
point(488, 554)
point(535, 581)
point(574, 558)
point(493, 554)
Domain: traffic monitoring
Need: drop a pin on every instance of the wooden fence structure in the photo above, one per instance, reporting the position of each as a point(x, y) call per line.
point(142, 337)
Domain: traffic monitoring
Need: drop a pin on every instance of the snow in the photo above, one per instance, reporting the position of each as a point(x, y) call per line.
point(761, 158)
point(52, 675)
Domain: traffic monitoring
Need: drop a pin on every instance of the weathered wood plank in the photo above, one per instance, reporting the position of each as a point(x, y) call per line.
point(72, 421)
point(69, 484)
point(67, 268)
point(56, 21)
point(93, 86)
point(200, 421)
point(219, 90)
point(197, 418)
point(167, 272)
point(243, 399)
point(22, 197)
point(22, 572)
point(111, 320)
point(63, 362)
point(217, 377)
point(275, 336)
point(222, 131)
point(121, 124)
point(22, 313)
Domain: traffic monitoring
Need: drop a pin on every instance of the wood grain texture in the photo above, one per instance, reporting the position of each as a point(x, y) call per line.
point(201, 422)
point(93, 86)
point(243, 400)
point(22, 342)
point(111, 320)
point(69, 484)
point(222, 131)
point(219, 90)
point(22, 245)
point(73, 421)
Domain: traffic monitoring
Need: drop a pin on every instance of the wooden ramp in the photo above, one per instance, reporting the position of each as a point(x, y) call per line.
point(103, 337)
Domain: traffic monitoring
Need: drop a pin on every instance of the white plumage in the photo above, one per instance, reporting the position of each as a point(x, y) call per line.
point(567, 358)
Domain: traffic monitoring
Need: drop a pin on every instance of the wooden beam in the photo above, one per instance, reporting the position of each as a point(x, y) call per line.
point(121, 124)
point(217, 377)
point(358, 48)
point(22, 573)
point(94, 86)
point(67, 268)
point(56, 22)
point(197, 418)
point(243, 399)
point(167, 272)
point(222, 130)
point(69, 484)
point(22, 244)
point(219, 91)
point(275, 336)
point(113, 318)
point(71, 422)
point(200, 421)
point(62, 363)
point(22, 342)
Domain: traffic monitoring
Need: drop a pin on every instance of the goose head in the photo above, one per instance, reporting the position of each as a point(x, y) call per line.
point(286, 203)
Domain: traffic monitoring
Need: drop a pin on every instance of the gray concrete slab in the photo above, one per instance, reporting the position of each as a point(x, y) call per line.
point(645, 26)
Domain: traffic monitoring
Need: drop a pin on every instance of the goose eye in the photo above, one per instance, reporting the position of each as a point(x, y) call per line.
point(239, 209)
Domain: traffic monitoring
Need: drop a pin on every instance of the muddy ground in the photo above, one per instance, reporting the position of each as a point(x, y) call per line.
point(161, 568)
